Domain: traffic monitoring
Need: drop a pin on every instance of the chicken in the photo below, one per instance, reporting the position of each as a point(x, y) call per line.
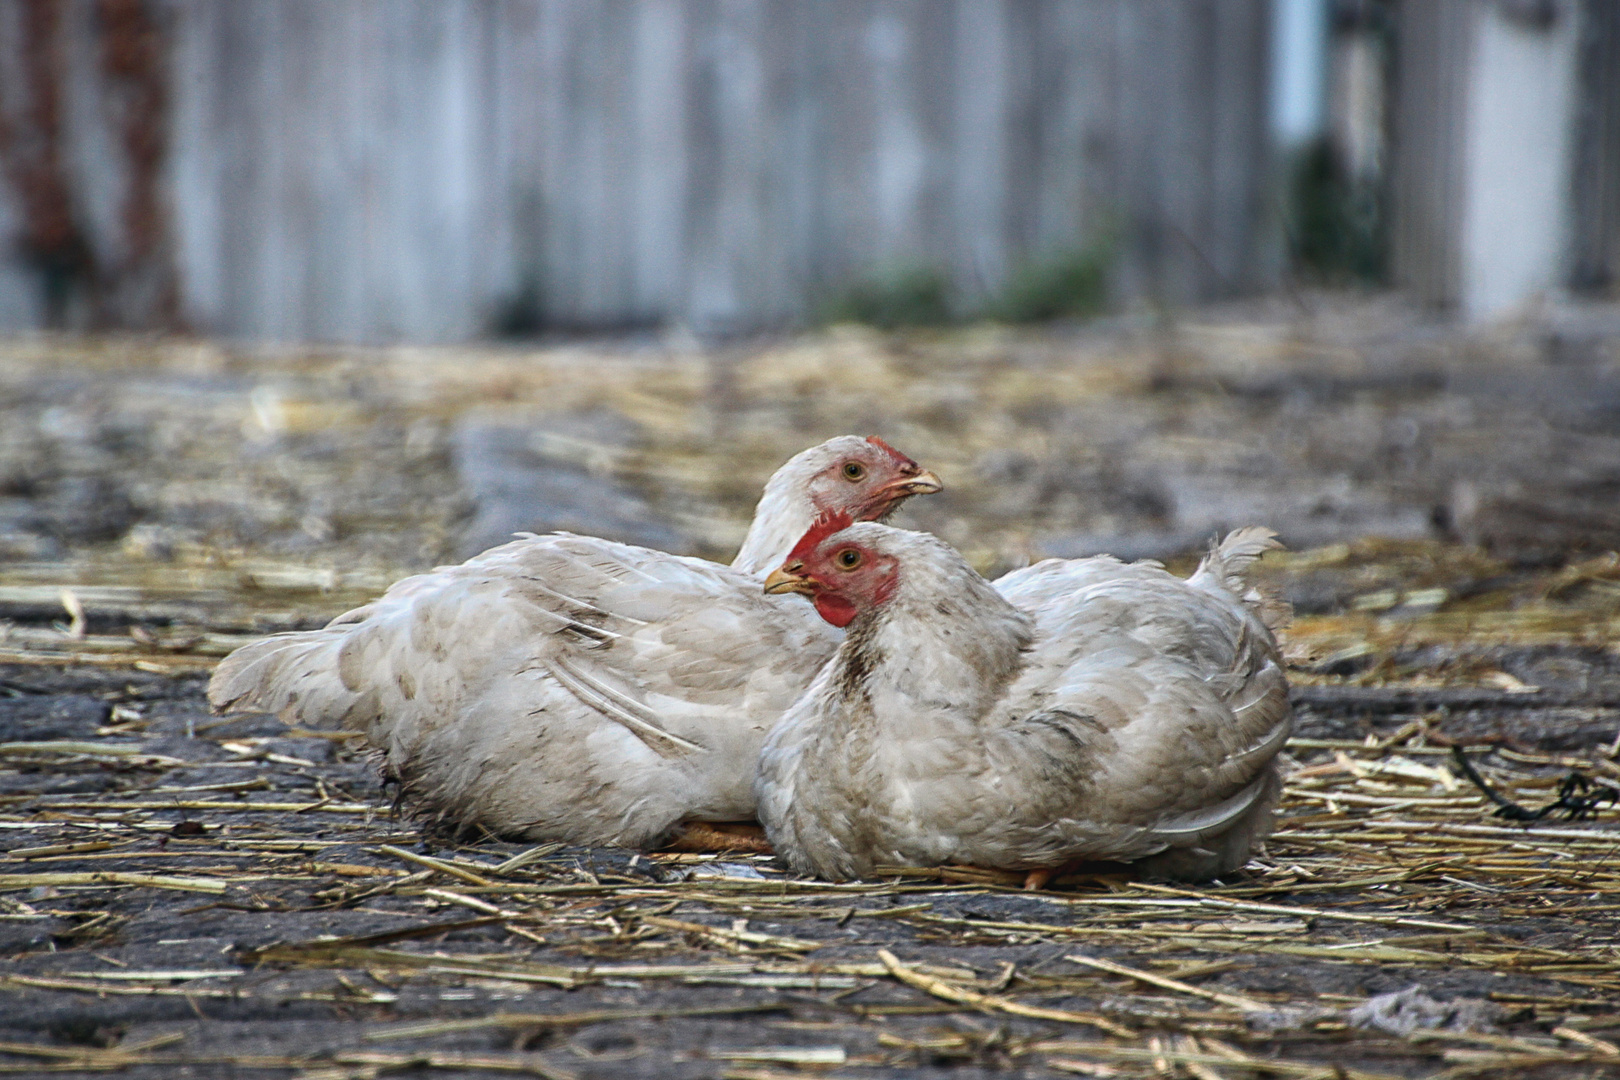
point(568, 688)
point(1074, 710)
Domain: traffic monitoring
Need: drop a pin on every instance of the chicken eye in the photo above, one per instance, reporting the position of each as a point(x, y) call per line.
point(854, 470)
point(849, 559)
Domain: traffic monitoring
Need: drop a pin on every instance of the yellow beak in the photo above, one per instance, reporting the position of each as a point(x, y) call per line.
point(924, 483)
point(780, 581)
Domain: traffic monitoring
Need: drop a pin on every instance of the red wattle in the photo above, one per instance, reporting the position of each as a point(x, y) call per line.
point(835, 609)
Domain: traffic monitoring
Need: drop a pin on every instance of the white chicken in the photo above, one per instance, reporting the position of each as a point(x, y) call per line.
point(1075, 710)
point(568, 688)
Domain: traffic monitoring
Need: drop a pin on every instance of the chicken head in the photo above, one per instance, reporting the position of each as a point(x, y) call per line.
point(865, 479)
point(841, 576)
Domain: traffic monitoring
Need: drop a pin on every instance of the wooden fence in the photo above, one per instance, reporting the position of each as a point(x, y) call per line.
point(431, 170)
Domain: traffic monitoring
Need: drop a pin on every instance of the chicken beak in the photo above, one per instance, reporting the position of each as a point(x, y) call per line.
point(924, 483)
point(782, 581)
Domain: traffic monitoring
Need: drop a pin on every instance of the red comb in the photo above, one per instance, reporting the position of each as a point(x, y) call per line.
point(826, 523)
point(899, 458)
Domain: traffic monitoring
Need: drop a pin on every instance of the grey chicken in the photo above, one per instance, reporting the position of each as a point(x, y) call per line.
point(1074, 710)
point(569, 688)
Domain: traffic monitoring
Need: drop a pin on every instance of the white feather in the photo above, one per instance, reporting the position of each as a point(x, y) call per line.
point(1085, 709)
point(564, 687)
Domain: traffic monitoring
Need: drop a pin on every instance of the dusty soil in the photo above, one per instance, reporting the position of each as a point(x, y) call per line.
point(281, 918)
point(190, 895)
point(1346, 418)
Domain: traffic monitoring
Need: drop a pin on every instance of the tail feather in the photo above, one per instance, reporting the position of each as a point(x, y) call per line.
point(296, 676)
point(1216, 855)
point(1229, 566)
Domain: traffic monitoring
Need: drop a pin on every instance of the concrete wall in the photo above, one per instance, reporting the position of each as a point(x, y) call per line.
point(380, 170)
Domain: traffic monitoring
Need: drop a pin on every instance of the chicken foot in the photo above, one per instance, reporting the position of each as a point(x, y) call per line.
point(715, 836)
point(1038, 879)
point(1100, 872)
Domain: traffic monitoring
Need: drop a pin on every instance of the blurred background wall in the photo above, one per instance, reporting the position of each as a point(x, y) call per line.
point(1506, 179)
point(440, 170)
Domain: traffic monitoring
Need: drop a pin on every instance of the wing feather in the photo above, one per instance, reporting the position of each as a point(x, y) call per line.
point(559, 686)
point(1185, 703)
point(616, 706)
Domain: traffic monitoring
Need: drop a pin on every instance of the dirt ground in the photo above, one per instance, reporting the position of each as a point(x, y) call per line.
point(190, 895)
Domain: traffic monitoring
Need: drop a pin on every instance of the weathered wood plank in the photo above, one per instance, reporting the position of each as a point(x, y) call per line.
point(435, 169)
